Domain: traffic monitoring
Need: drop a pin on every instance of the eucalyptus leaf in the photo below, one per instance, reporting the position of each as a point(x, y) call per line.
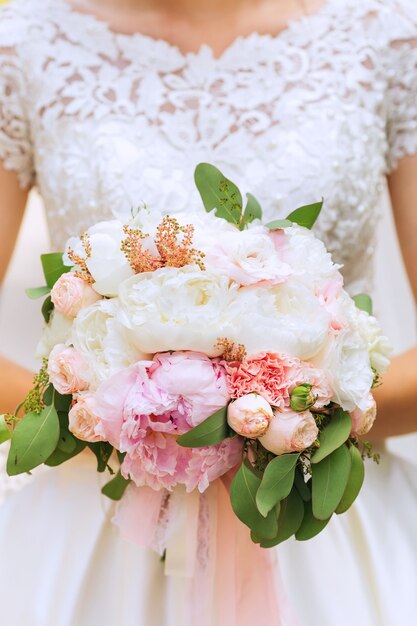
point(253, 210)
point(210, 432)
point(289, 520)
point(333, 435)
point(243, 490)
point(67, 443)
point(33, 441)
point(5, 433)
point(47, 308)
point(363, 302)
point(58, 457)
point(34, 293)
point(116, 487)
point(329, 481)
point(310, 526)
point(355, 482)
point(278, 224)
point(53, 267)
point(102, 451)
point(277, 482)
point(218, 193)
point(303, 487)
point(306, 215)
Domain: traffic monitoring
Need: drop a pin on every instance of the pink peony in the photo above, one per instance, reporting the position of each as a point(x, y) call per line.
point(70, 294)
point(290, 432)
point(363, 419)
point(67, 370)
point(83, 418)
point(200, 381)
point(207, 464)
point(249, 415)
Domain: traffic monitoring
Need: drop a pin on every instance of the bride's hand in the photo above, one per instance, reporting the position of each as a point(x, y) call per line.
point(14, 380)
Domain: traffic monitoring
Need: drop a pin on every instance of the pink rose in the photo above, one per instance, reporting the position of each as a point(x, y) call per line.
point(290, 432)
point(249, 416)
point(83, 418)
point(70, 294)
point(67, 370)
point(200, 381)
point(363, 419)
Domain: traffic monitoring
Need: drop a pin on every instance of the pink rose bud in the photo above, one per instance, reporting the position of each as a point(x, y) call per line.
point(67, 370)
point(70, 294)
point(249, 415)
point(290, 432)
point(363, 419)
point(83, 418)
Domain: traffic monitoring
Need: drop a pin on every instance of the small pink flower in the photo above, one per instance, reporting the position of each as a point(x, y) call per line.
point(200, 381)
point(70, 294)
point(249, 416)
point(363, 418)
point(290, 432)
point(67, 370)
point(83, 418)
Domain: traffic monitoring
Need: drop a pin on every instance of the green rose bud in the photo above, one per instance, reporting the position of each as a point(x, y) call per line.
point(302, 398)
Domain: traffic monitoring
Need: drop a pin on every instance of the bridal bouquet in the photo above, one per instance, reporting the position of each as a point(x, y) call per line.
point(184, 348)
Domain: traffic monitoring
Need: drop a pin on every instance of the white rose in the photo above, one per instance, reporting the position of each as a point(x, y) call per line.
point(345, 360)
point(104, 343)
point(107, 264)
point(380, 348)
point(247, 257)
point(57, 331)
point(287, 318)
point(177, 309)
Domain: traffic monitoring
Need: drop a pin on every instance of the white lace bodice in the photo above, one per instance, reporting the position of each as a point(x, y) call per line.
point(105, 121)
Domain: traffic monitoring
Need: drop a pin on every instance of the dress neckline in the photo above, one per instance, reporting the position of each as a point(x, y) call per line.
point(293, 26)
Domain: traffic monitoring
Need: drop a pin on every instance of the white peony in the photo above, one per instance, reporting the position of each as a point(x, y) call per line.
point(58, 330)
point(178, 309)
point(107, 264)
point(104, 343)
point(287, 318)
point(380, 348)
point(345, 359)
point(247, 257)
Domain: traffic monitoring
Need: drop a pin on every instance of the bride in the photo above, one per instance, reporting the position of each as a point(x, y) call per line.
point(108, 103)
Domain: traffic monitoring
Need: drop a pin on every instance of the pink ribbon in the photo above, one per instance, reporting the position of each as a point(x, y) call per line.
point(230, 581)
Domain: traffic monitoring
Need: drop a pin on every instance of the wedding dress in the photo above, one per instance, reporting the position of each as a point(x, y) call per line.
point(102, 122)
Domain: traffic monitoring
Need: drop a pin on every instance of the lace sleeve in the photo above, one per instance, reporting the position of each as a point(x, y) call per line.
point(15, 141)
point(402, 90)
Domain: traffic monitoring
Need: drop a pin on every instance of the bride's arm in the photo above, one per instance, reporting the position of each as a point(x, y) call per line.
point(14, 380)
point(397, 397)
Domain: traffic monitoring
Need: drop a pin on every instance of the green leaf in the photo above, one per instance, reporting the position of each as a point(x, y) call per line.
point(289, 520)
point(67, 442)
point(58, 457)
point(278, 224)
point(219, 193)
point(243, 490)
point(102, 452)
point(310, 526)
point(330, 478)
point(333, 435)
point(303, 487)
point(355, 482)
point(210, 432)
point(5, 433)
point(116, 487)
point(33, 441)
point(253, 210)
point(47, 308)
point(306, 215)
point(363, 302)
point(277, 482)
point(53, 267)
point(37, 292)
